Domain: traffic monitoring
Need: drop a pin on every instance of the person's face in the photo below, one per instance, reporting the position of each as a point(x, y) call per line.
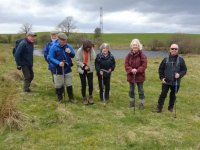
point(62, 42)
point(105, 51)
point(135, 47)
point(173, 49)
point(53, 36)
point(31, 38)
point(88, 48)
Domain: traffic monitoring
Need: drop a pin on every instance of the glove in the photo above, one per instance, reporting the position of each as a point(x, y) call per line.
point(19, 67)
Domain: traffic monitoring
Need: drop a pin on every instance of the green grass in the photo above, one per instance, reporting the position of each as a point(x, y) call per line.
point(49, 125)
point(122, 40)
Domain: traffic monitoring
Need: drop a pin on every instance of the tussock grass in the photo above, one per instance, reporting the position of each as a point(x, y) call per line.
point(3, 58)
point(9, 114)
point(13, 75)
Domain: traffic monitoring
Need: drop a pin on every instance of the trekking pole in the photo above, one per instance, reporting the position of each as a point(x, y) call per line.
point(104, 100)
point(134, 88)
point(63, 71)
point(176, 90)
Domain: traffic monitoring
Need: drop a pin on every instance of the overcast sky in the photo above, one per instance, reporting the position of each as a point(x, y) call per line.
point(119, 16)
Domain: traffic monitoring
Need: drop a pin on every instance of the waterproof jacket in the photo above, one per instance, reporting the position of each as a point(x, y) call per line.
point(138, 61)
point(105, 63)
point(171, 65)
point(57, 54)
point(46, 50)
point(24, 54)
point(46, 53)
point(80, 60)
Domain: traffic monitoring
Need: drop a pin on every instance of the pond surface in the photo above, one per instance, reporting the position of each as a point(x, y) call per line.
point(119, 53)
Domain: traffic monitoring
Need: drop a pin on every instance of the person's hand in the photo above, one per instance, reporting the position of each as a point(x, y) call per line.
point(19, 67)
point(163, 81)
point(110, 70)
point(177, 75)
point(101, 72)
point(87, 68)
point(61, 64)
point(134, 71)
point(67, 50)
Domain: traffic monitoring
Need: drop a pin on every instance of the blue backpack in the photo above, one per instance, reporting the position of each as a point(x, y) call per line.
point(16, 45)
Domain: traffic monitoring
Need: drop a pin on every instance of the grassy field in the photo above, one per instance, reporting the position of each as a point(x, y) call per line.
point(46, 125)
point(122, 40)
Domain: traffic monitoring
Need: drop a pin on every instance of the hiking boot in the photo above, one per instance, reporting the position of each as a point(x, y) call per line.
point(141, 106)
point(70, 94)
point(132, 104)
point(27, 90)
point(85, 101)
point(59, 94)
point(170, 108)
point(91, 101)
point(158, 109)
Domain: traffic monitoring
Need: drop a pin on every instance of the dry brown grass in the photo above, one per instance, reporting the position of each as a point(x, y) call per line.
point(9, 114)
point(3, 58)
point(13, 75)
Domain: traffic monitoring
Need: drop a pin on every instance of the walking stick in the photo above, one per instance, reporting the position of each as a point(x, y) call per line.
point(103, 87)
point(176, 90)
point(63, 71)
point(134, 88)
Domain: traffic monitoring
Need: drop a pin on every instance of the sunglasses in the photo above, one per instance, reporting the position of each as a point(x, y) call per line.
point(174, 48)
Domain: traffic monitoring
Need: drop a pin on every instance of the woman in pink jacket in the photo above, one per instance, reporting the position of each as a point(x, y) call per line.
point(135, 65)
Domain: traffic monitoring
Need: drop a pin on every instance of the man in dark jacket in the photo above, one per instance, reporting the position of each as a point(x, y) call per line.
point(104, 64)
point(171, 70)
point(24, 59)
point(60, 56)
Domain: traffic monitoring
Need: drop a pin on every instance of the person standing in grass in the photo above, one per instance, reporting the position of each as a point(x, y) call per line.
point(85, 58)
point(104, 64)
point(171, 70)
point(60, 55)
point(135, 66)
point(24, 59)
point(47, 48)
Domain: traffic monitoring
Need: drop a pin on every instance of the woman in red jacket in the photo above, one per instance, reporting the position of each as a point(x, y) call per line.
point(135, 65)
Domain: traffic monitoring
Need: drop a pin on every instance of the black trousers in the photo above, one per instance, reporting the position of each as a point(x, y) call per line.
point(89, 77)
point(172, 95)
point(105, 81)
point(28, 76)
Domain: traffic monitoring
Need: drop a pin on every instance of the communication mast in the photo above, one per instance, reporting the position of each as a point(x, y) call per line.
point(101, 19)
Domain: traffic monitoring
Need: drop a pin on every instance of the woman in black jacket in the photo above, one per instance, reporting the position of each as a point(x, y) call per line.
point(104, 64)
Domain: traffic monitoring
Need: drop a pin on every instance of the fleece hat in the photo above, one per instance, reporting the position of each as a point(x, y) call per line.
point(62, 36)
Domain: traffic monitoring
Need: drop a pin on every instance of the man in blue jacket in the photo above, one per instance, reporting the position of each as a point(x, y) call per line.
point(24, 59)
point(60, 55)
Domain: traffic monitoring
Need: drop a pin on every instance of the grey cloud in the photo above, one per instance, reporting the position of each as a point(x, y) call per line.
point(172, 14)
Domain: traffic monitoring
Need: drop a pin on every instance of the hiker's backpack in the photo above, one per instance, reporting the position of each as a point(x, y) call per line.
point(16, 45)
point(177, 60)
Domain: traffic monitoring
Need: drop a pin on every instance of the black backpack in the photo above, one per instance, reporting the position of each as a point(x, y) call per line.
point(16, 45)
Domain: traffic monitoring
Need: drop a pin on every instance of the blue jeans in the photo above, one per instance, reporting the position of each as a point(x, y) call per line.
point(140, 90)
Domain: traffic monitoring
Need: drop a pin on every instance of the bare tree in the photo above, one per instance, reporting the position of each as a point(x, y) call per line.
point(25, 28)
point(67, 25)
